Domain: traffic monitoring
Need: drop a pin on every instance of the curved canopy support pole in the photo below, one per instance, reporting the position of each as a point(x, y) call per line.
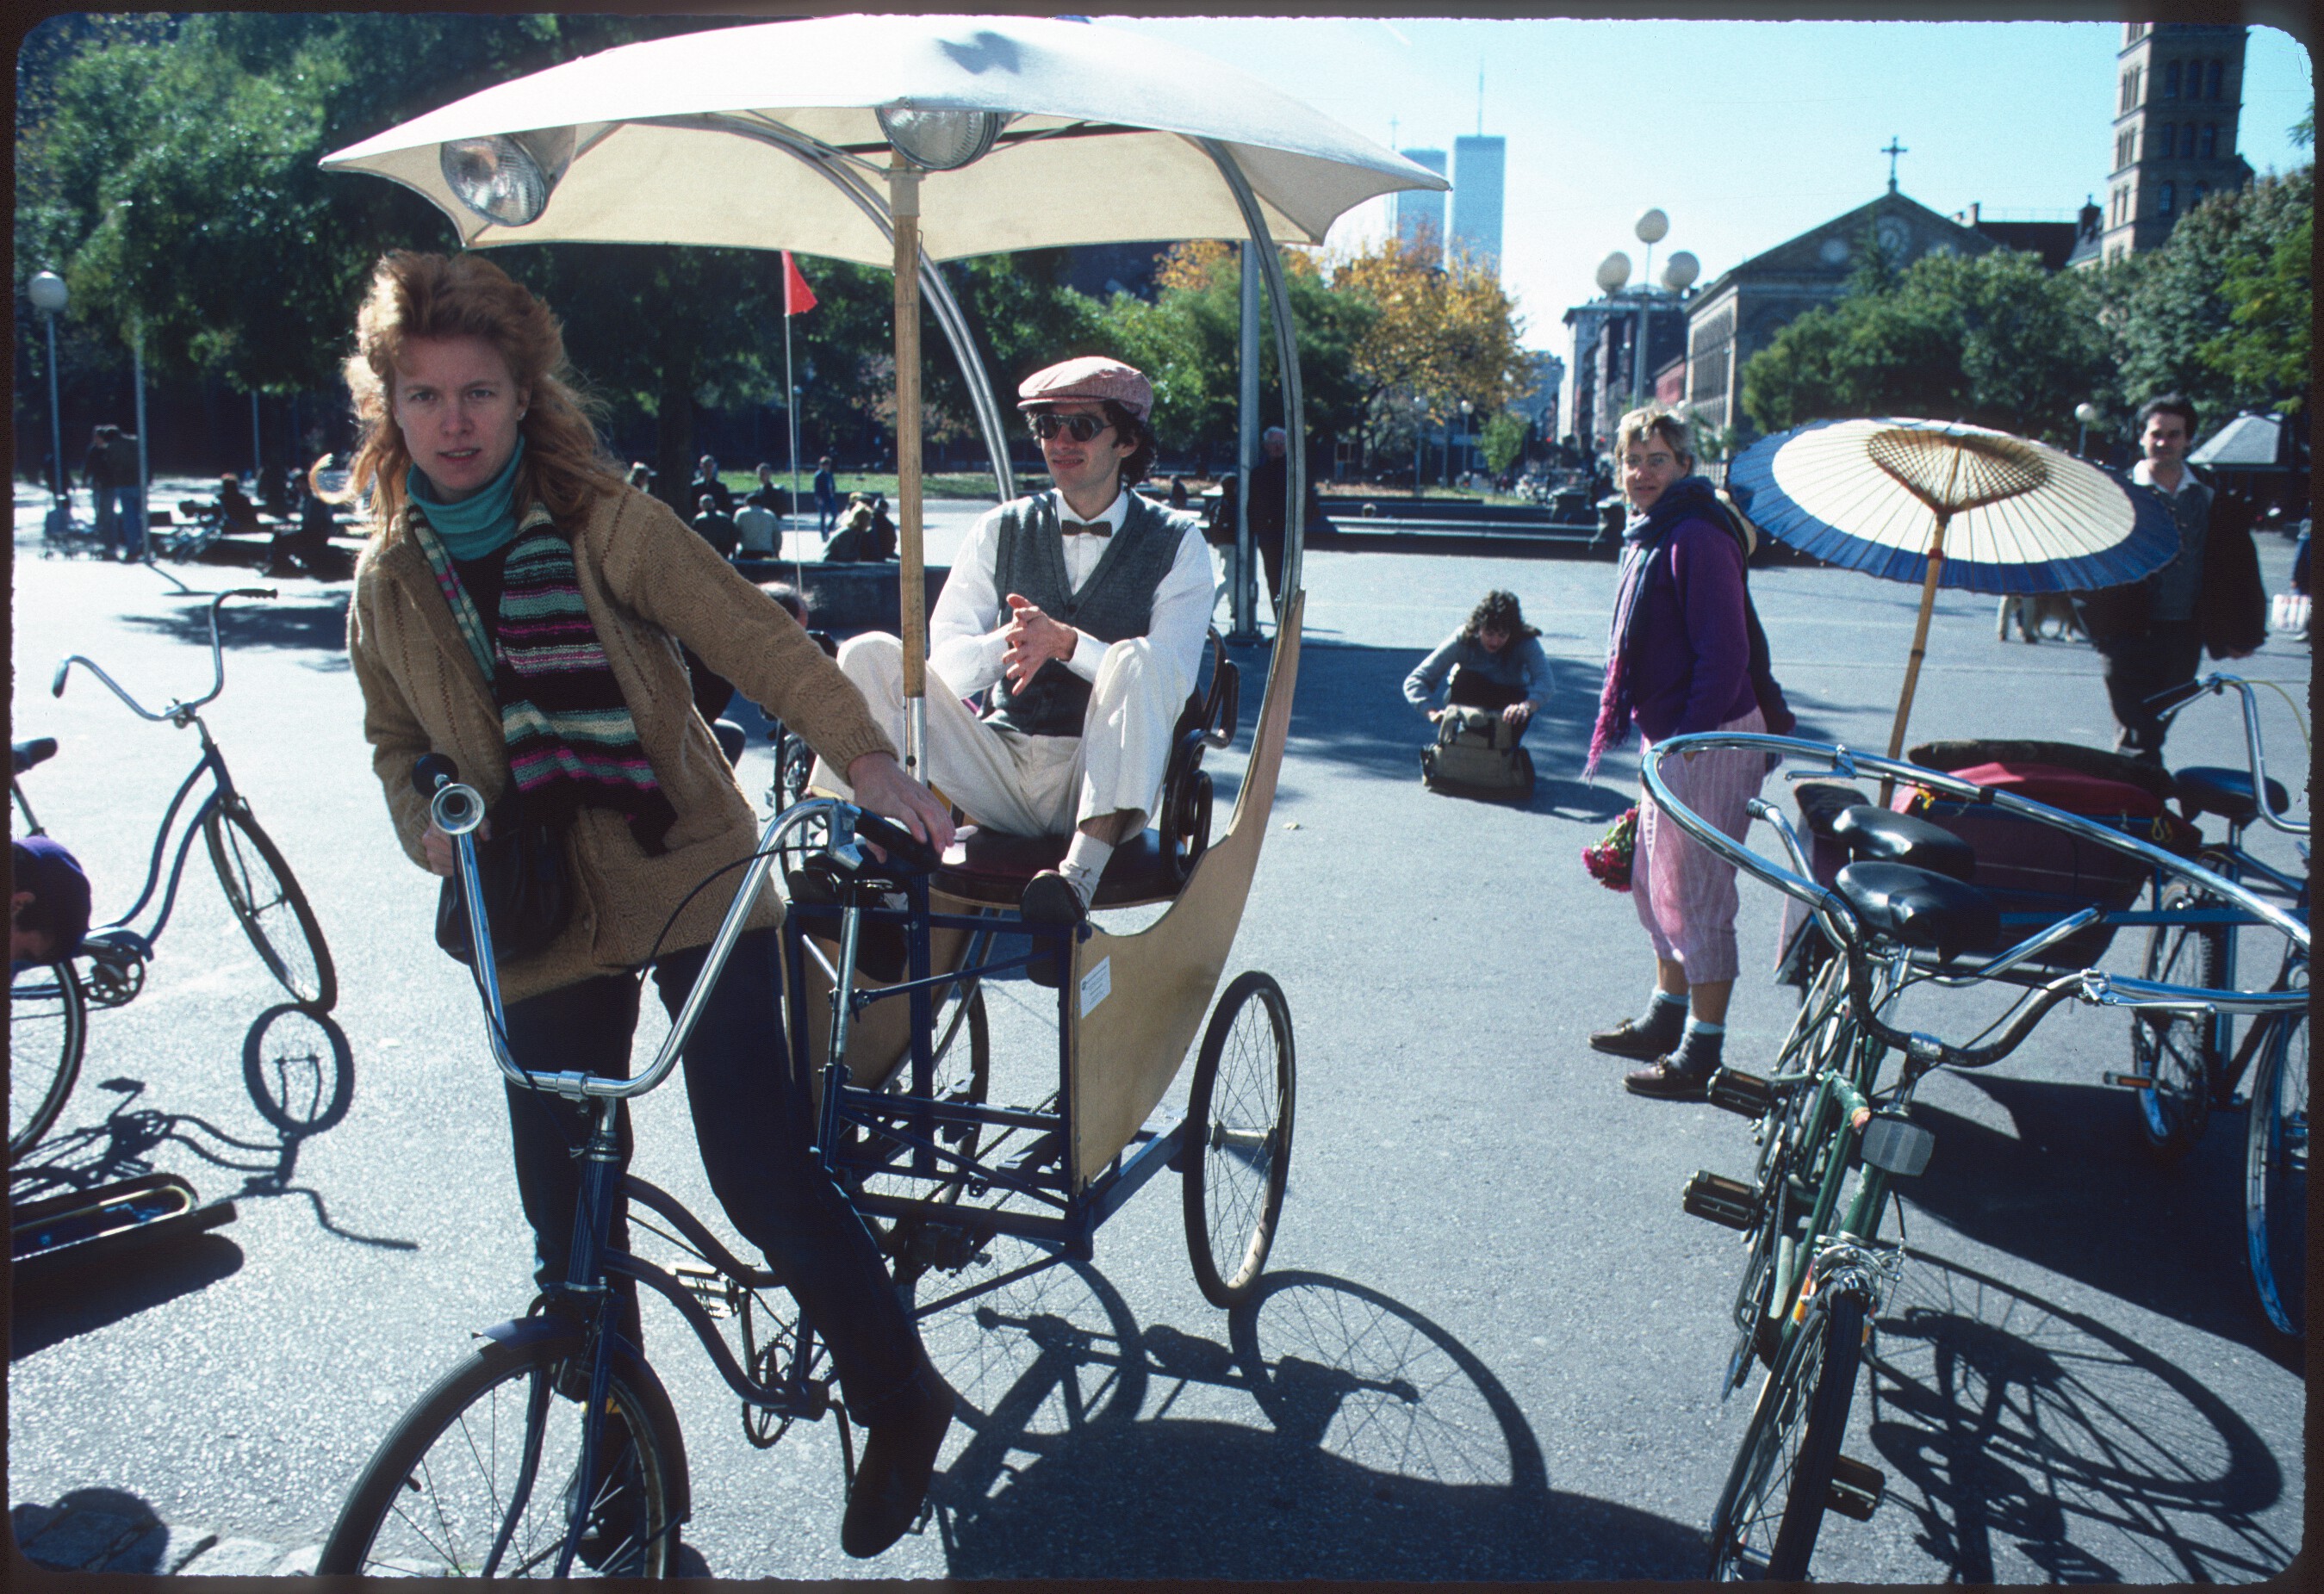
point(904, 207)
point(1286, 347)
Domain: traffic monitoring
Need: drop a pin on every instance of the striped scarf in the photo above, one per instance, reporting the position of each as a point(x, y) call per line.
point(571, 741)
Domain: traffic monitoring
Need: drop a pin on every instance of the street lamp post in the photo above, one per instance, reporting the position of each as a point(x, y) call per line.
point(2085, 412)
point(1466, 410)
point(49, 294)
point(1651, 227)
point(1419, 441)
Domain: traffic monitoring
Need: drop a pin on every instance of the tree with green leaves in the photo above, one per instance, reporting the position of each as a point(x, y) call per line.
point(1993, 339)
point(2221, 312)
point(1439, 332)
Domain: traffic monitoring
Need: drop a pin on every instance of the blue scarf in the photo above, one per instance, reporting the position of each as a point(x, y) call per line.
point(484, 522)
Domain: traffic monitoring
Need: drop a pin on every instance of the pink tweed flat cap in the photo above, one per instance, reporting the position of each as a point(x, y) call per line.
point(1092, 376)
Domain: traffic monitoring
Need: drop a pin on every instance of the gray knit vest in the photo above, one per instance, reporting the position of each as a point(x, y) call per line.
point(1118, 602)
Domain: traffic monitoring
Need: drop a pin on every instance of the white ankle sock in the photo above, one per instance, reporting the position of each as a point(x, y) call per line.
point(1670, 998)
point(1697, 1027)
point(1085, 858)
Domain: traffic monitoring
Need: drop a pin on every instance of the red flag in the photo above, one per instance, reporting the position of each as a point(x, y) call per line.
point(797, 297)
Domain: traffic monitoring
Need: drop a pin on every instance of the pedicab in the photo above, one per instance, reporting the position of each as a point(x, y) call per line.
point(907, 141)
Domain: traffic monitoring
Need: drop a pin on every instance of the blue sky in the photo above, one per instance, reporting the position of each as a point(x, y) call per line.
point(1744, 133)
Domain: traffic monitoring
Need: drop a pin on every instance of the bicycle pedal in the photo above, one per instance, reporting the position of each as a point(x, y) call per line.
point(1856, 1489)
point(1746, 1094)
point(707, 1285)
point(2131, 1081)
point(1730, 1202)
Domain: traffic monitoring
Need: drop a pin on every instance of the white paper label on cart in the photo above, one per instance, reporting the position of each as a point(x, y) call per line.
point(1097, 985)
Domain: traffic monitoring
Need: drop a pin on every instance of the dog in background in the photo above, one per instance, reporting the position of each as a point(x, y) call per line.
point(2034, 613)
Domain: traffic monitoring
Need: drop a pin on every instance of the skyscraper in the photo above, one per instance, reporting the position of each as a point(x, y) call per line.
point(1476, 226)
point(1416, 206)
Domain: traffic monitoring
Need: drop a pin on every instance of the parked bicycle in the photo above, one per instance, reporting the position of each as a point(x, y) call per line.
point(1834, 1138)
point(49, 1003)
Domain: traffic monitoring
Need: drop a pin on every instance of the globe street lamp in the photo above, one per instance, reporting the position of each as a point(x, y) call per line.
point(2085, 412)
point(49, 294)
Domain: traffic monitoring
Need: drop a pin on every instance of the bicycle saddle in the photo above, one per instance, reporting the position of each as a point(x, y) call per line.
point(1920, 908)
point(2224, 792)
point(38, 751)
point(1876, 835)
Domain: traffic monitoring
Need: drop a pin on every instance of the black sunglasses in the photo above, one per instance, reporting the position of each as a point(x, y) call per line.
point(1083, 427)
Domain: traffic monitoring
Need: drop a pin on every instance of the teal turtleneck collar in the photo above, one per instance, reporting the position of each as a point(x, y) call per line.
point(484, 522)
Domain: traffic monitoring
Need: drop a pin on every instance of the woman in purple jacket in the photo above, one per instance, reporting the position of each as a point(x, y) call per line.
point(1680, 659)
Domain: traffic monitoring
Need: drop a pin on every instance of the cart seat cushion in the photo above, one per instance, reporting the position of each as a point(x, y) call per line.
point(1873, 834)
point(1920, 908)
point(2224, 792)
point(1957, 756)
point(1821, 803)
point(990, 866)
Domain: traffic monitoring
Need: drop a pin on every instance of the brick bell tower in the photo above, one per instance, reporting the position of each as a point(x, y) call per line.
point(2178, 93)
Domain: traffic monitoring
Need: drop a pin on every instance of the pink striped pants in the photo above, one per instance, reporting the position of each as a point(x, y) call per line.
point(1685, 894)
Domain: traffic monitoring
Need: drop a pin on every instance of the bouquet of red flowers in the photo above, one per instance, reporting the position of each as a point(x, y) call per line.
point(1608, 862)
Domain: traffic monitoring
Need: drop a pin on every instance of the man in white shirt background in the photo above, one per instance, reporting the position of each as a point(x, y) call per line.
point(1085, 608)
point(2152, 634)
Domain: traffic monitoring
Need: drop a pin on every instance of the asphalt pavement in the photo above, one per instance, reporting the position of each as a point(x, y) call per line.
point(1489, 1344)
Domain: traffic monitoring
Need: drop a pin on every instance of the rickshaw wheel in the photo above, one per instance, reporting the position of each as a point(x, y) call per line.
point(1238, 1153)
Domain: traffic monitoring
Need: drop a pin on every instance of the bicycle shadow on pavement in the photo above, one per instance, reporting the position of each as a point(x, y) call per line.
point(303, 621)
point(2028, 1441)
point(1386, 1449)
point(2183, 1256)
point(108, 1286)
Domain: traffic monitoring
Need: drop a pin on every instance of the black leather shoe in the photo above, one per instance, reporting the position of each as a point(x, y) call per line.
point(1050, 898)
point(899, 1455)
point(1640, 1043)
point(1665, 1081)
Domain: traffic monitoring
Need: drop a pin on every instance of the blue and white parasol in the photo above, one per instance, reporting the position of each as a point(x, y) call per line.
point(1947, 504)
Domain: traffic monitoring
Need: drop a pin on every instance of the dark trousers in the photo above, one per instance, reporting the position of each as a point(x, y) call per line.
point(753, 1124)
point(2137, 667)
point(1268, 541)
point(1468, 689)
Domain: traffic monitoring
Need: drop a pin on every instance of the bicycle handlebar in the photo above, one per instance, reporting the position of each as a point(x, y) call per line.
point(176, 711)
point(2086, 985)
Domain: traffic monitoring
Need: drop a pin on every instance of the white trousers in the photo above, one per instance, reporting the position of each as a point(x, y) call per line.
point(1021, 785)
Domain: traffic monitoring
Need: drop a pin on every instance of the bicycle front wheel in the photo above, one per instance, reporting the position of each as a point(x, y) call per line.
point(270, 907)
point(2275, 1175)
point(2178, 1053)
point(1773, 1505)
point(48, 1026)
point(482, 1477)
point(1238, 1158)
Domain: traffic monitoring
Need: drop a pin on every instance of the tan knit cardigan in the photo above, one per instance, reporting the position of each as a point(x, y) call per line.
point(649, 581)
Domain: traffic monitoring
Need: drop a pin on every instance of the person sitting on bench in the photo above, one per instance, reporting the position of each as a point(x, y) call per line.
point(1494, 661)
point(1085, 609)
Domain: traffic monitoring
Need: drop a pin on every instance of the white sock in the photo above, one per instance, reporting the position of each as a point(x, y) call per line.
point(1695, 1027)
point(1085, 858)
point(1670, 998)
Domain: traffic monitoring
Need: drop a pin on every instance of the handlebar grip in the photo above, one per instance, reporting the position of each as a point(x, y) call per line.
point(432, 771)
point(899, 842)
point(268, 592)
point(57, 686)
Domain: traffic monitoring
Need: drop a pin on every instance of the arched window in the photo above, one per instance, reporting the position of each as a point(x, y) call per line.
point(2170, 141)
point(2202, 188)
point(2171, 81)
point(2210, 140)
point(2212, 92)
point(2163, 200)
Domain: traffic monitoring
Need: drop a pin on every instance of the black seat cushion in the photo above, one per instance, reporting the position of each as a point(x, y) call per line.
point(990, 866)
point(2224, 792)
point(1920, 908)
point(1878, 836)
point(1822, 802)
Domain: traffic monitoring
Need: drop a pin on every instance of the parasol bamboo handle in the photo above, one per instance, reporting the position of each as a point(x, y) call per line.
point(1920, 648)
point(904, 207)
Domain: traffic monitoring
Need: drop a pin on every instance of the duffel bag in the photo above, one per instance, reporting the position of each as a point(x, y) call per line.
point(1476, 755)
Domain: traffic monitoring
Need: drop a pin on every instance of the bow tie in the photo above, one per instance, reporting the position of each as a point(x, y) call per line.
point(1080, 527)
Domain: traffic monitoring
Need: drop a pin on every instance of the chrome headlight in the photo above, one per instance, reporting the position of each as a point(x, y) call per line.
point(507, 177)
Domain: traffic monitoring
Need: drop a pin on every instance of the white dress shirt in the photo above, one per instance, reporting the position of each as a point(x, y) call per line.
point(965, 632)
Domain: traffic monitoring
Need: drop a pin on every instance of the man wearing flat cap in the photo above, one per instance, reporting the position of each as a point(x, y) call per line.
point(1085, 608)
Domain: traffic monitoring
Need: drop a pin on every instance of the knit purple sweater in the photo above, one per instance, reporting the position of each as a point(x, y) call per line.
point(1690, 668)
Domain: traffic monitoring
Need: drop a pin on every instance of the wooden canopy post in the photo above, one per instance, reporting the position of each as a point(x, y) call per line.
point(1920, 648)
point(904, 207)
